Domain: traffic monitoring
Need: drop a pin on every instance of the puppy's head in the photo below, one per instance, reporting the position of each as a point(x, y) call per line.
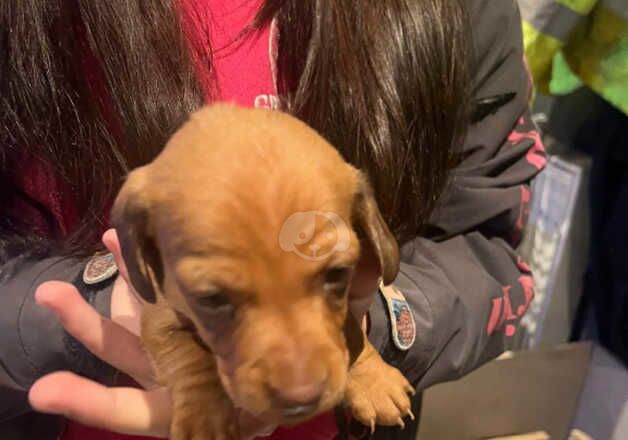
point(250, 225)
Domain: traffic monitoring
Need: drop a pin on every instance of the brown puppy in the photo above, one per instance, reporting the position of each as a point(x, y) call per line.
point(242, 237)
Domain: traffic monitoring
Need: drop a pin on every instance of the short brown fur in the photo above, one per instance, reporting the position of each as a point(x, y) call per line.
point(232, 319)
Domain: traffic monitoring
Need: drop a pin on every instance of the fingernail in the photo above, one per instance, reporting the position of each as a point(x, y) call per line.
point(40, 299)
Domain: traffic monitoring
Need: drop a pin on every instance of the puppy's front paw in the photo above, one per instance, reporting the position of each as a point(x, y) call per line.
point(376, 392)
point(198, 420)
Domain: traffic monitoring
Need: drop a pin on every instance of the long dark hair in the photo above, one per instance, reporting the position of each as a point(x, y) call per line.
point(385, 81)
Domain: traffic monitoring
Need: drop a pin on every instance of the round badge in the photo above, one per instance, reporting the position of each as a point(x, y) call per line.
point(99, 268)
point(402, 323)
point(405, 327)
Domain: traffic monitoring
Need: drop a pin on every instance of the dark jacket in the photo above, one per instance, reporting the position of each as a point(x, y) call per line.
point(465, 284)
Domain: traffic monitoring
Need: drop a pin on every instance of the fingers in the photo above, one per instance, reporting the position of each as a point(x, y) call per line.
point(364, 285)
point(111, 242)
point(123, 410)
point(126, 310)
point(109, 341)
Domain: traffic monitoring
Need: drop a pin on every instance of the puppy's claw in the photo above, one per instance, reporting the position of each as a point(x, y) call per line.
point(377, 392)
point(410, 414)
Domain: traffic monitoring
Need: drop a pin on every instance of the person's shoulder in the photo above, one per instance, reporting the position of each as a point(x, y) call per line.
point(497, 46)
point(494, 22)
point(485, 9)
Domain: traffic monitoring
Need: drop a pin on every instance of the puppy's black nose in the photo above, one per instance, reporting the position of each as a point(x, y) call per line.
point(297, 400)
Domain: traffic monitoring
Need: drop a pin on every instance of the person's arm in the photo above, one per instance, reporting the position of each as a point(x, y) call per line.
point(32, 341)
point(465, 284)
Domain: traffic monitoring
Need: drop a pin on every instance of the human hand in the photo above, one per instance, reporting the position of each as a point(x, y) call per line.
point(120, 409)
point(364, 284)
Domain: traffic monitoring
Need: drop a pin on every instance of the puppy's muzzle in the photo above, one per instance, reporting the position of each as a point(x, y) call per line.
point(298, 400)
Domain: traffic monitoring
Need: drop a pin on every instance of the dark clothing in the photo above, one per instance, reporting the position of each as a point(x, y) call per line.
point(604, 311)
point(460, 282)
point(33, 342)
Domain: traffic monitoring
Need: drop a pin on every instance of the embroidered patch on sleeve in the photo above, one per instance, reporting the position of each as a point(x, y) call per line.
point(403, 327)
point(99, 268)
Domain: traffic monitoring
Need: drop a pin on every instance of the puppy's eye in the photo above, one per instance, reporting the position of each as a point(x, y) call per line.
point(215, 301)
point(336, 279)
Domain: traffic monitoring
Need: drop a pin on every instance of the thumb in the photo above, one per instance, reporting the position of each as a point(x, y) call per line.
point(112, 243)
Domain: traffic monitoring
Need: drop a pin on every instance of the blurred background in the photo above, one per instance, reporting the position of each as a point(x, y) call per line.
point(577, 240)
point(567, 376)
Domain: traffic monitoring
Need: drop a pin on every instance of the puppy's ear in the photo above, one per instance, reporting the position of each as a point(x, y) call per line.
point(369, 219)
point(131, 219)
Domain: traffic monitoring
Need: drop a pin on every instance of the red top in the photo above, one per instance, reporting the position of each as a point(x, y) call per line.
point(244, 75)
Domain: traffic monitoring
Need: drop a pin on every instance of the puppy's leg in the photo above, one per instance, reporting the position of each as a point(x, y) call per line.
point(201, 410)
point(376, 392)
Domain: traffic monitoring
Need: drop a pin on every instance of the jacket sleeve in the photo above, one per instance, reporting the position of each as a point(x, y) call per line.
point(465, 284)
point(32, 342)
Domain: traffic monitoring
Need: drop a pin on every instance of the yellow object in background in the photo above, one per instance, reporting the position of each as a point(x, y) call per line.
point(570, 42)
